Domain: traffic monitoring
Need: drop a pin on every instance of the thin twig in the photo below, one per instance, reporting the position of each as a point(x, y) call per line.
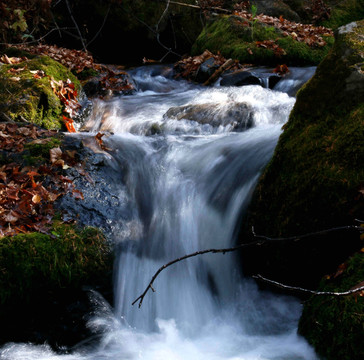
point(199, 7)
point(299, 237)
point(214, 251)
point(101, 27)
point(263, 240)
point(78, 29)
point(164, 12)
point(41, 38)
point(313, 292)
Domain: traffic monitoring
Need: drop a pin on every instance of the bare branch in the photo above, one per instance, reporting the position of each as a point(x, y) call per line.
point(164, 12)
point(41, 38)
point(199, 7)
point(101, 27)
point(313, 292)
point(78, 29)
point(299, 237)
point(263, 240)
point(214, 251)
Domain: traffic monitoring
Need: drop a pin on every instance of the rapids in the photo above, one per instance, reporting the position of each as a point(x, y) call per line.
point(188, 183)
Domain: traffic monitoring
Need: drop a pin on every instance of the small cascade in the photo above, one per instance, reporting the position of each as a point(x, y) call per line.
point(188, 182)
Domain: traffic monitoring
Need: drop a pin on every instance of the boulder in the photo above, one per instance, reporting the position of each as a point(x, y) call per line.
point(314, 180)
point(24, 96)
point(334, 325)
point(238, 115)
point(206, 69)
point(242, 78)
point(239, 78)
point(103, 204)
point(237, 38)
point(278, 8)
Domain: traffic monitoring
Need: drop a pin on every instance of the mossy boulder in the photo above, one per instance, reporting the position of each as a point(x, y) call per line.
point(26, 97)
point(67, 258)
point(344, 12)
point(238, 38)
point(44, 276)
point(334, 325)
point(289, 9)
point(315, 178)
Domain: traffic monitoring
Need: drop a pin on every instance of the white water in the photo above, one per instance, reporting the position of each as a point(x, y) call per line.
point(189, 185)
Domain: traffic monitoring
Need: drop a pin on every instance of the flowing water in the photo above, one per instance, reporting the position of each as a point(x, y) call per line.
point(192, 156)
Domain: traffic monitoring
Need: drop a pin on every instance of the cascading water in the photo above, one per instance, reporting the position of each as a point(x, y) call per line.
point(189, 179)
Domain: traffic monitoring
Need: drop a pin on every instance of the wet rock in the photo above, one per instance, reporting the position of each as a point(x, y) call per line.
point(206, 69)
point(120, 83)
point(240, 78)
point(243, 78)
point(238, 115)
point(273, 80)
point(105, 200)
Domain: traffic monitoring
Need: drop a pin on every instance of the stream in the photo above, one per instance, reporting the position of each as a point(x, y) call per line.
point(191, 157)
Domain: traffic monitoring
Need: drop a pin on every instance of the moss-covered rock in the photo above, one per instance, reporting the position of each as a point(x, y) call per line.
point(335, 325)
point(26, 97)
point(34, 262)
point(43, 282)
point(314, 179)
point(237, 38)
point(289, 9)
point(344, 12)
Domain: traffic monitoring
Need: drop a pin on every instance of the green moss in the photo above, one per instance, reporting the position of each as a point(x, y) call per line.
point(69, 257)
point(335, 325)
point(235, 37)
point(316, 170)
point(42, 150)
point(344, 12)
point(85, 74)
point(21, 95)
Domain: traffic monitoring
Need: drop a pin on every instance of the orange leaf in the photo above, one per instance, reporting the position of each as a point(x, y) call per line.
point(36, 199)
point(69, 124)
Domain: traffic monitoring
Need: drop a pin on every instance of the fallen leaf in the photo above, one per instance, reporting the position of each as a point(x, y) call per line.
point(55, 154)
point(69, 124)
point(11, 217)
point(36, 199)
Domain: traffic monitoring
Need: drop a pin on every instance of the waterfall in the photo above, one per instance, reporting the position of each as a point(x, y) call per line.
point(188, 180)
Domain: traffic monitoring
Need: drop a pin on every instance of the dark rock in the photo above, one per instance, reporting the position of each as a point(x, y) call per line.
point(110, 84)
point(105, 200)
point(240, 78)
point(206, 69)
point(273, 80)
point(277, 8)
point(314, 178)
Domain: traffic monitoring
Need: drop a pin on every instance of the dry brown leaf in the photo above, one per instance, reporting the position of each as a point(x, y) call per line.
point(55, 155)
point(36, 199)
